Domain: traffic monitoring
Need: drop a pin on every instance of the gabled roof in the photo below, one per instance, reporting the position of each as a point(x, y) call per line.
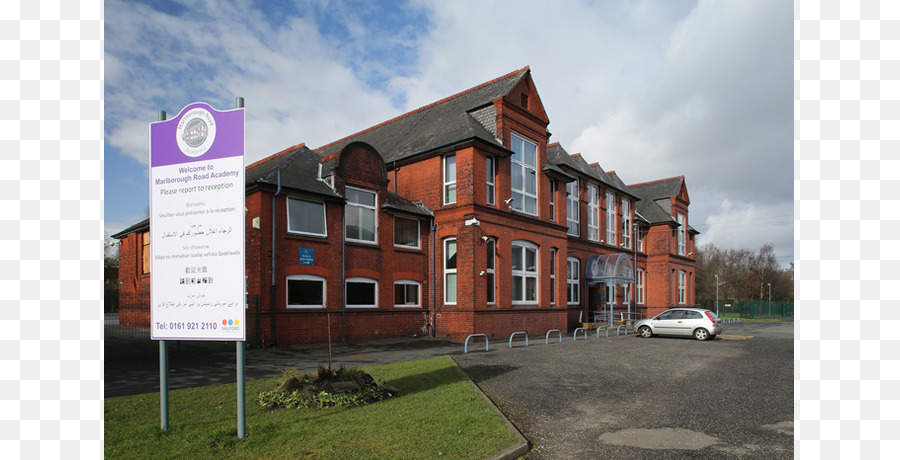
point(558, 157)
point(138, 227)
point(656, 203)
point(663, 188)
point(299, 167)
point(433, 126)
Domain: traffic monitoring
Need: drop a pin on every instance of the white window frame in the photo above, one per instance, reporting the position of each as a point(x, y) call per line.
point(418, 287)
point(354, 206)
point(640, 239)
point(682, 241)
point(573, 281)
point(491, 271)
point(361, 280)
point(626, 223)
point(552, 200)
point(517, 167)
point(290, 278)
point(324, 232)
point(639, 288)
point(682, 297)
point(490, 172)
point(450, 271)
point(610, 218)
point(572, 219)
point(552, 276)
point(524, 274)
point(593, 212)
point(450, 183)
point(418, 233)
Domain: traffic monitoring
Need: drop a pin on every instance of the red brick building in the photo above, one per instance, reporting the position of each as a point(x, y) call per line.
point(456, 218)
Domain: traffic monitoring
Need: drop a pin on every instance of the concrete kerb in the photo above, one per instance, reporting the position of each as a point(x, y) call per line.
point(517, 449)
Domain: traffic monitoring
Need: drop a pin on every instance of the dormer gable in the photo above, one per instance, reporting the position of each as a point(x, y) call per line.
point(525, 98)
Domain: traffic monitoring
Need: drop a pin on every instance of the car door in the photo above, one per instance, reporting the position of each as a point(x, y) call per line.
point(668, 322)
point(692, 319)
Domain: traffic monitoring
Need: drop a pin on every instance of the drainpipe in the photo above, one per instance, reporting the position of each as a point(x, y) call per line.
point(343, 273)
point(277, 192)
point(433, 275)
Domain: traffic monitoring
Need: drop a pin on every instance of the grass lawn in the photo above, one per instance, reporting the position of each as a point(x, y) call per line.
point(437, 414)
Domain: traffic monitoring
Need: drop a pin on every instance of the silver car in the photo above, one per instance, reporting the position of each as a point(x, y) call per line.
point(698, 322)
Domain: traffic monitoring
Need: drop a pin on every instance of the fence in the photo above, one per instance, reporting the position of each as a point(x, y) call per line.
point(749, 309)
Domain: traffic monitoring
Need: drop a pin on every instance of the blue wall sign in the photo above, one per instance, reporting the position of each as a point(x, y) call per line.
point(307, 256)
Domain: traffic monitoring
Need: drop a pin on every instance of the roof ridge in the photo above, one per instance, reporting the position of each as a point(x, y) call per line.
point(272, 157)
point(658, 180)
point(428, 106)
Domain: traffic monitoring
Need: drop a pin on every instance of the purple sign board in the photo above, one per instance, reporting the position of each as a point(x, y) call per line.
point(197, 225)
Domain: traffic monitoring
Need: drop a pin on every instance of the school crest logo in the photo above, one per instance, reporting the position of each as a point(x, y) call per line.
point(196, 132)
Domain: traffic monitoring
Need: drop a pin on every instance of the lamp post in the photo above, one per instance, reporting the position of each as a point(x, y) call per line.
point(717, 294)
point(770, 298)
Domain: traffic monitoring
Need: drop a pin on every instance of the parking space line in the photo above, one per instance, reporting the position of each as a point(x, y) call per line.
point(735, 337)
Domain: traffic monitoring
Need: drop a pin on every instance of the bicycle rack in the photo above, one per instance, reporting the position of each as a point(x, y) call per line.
point(605, 329)
point(466, 345)
point(547, 338)
point(621, 326)
point(515, 334)
point(575, 334)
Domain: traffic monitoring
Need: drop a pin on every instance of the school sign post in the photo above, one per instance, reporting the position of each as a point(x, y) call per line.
point(197, 233)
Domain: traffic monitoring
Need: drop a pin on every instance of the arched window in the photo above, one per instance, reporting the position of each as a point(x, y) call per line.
point(305, 291)
point(524, 272)
point(573, 280)
point(362, 293)
point(407, 293)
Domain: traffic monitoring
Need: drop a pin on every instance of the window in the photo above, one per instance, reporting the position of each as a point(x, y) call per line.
point(610, 218)
point(682, 227)
point(573, 283)
point(305, 291)
point(523, 173)
point(362, 292)
point(552, 200)
point(524, 272)
point(639, 289)
point(450, 271)
point(572, 207)
point(406, 232)
point(450, 179)
point(361, 217)
point(490, 271)
point(406, 293)
point(593, 212)
point(552, 276)
point(626, 223)
point(306, 217)
point(640, 239)
point(489, 178)
point(681, 290)
point(145, 252)
point(626, 294)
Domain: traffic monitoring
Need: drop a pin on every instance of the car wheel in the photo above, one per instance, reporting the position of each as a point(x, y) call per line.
point(645, 332)
point(701, 334)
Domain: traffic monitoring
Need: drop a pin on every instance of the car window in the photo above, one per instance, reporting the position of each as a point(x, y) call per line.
point(692, 315)
point(674, 314)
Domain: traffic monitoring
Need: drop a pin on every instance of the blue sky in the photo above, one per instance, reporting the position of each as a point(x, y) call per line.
point(649, 88)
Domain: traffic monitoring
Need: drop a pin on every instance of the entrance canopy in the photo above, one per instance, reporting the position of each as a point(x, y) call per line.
point(609, 268)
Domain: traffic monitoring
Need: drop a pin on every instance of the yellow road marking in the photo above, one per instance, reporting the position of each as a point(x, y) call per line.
point(736, 337)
